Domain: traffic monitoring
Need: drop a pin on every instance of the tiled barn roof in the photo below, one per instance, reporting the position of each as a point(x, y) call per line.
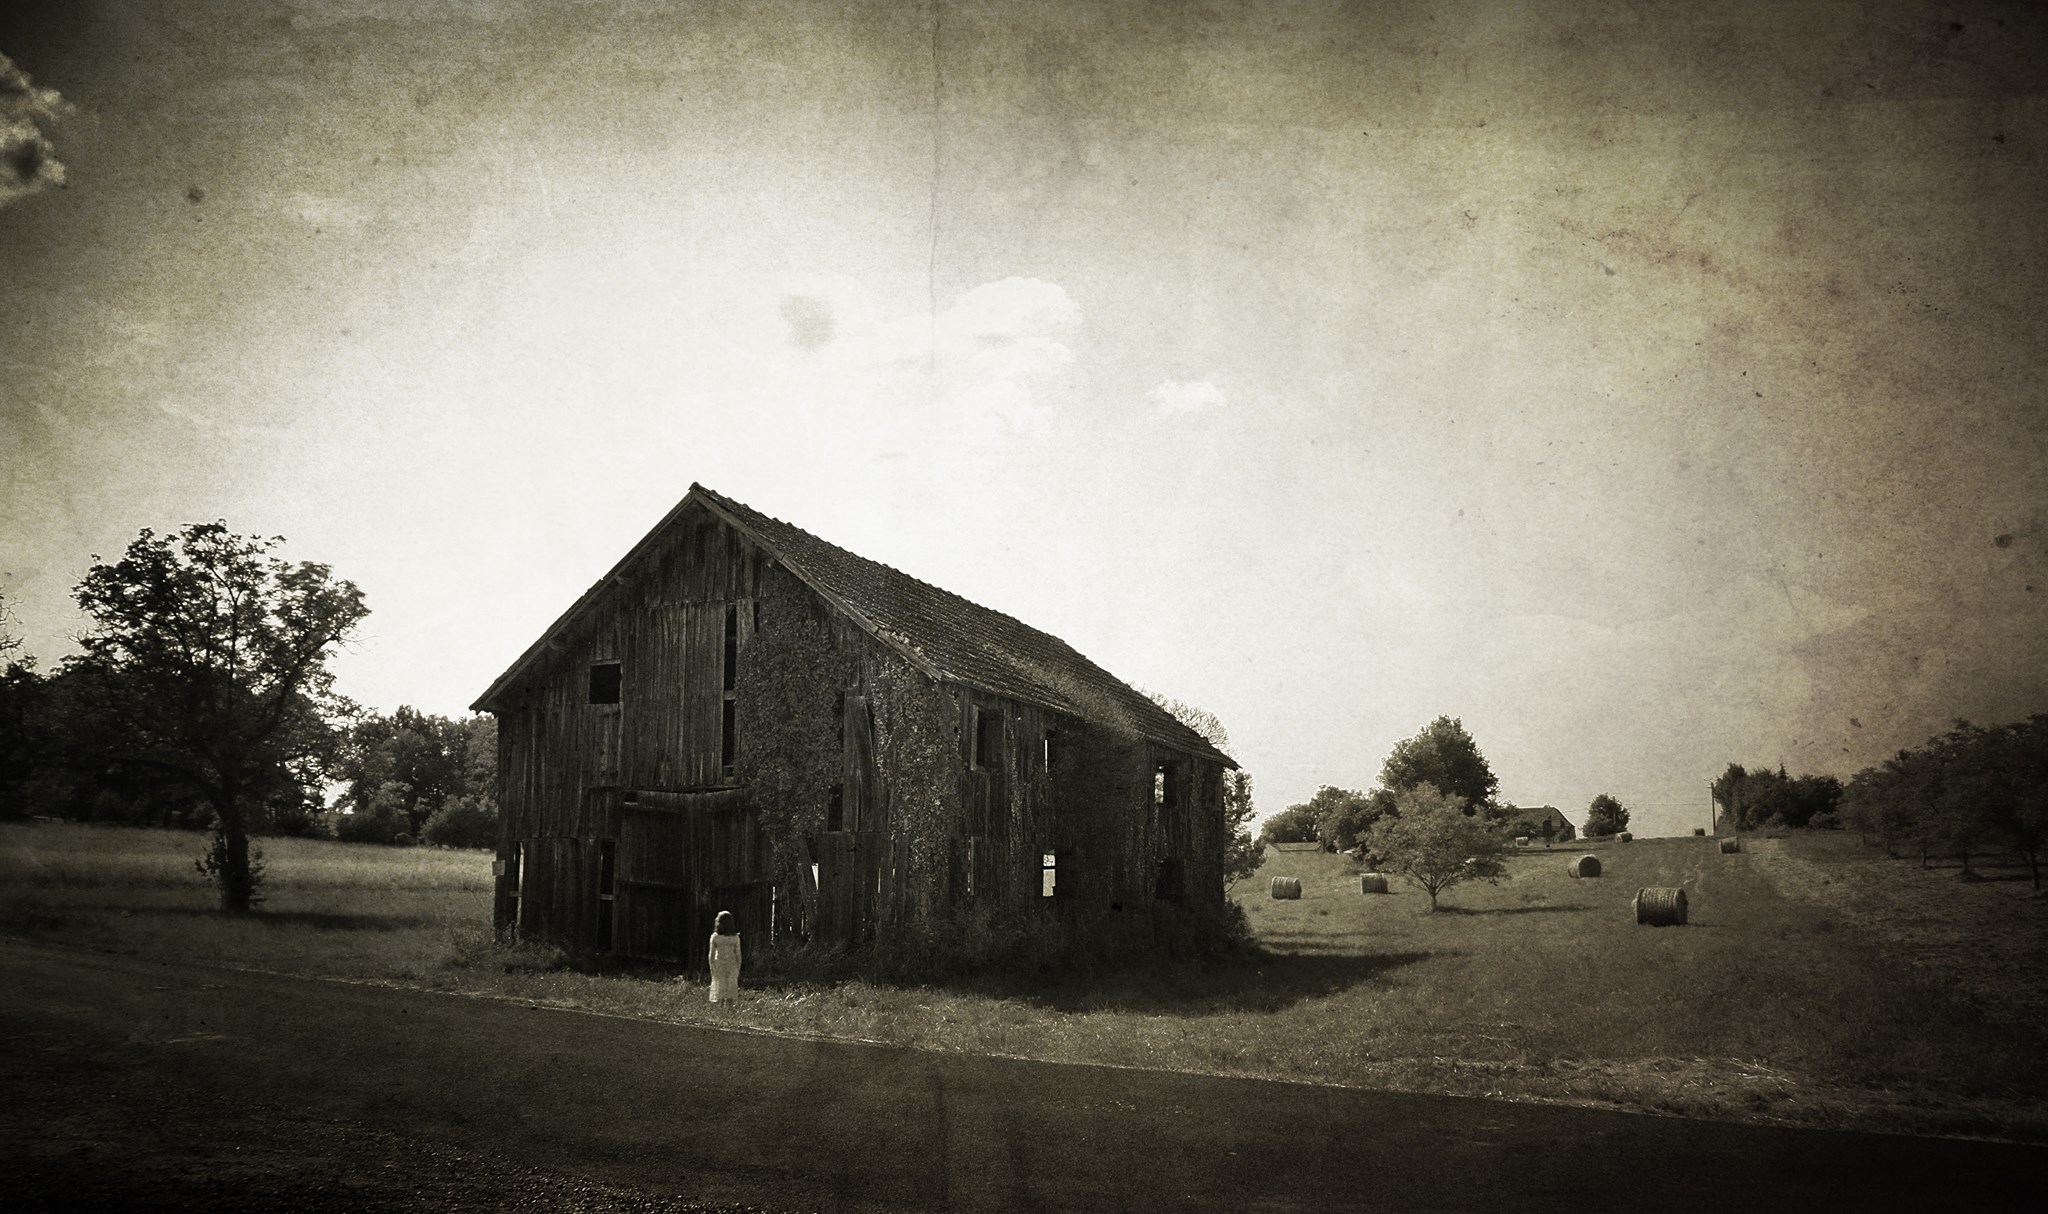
point(953, 639)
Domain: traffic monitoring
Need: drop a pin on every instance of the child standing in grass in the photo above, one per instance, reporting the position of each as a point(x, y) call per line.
point(725, 959)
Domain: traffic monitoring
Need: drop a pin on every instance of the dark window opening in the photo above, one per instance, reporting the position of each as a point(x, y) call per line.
point(835, 810)
point(1171, 885)
point(757, 615)
point(604, 682)
point(839, 715)
point(1048, 874)
point(988, 737)
point(727, 743)
point(607, 868)
point(732, 645)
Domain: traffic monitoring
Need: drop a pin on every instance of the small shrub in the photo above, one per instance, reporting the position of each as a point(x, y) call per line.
point(214, 864)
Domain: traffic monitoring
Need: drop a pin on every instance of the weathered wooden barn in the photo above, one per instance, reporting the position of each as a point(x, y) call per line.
point(741, 716)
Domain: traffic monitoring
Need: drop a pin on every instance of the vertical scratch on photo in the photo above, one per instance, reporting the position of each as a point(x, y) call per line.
point(932, 258)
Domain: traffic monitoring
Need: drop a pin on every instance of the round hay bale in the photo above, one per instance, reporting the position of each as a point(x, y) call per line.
point(1660, 907)
point(1730, 846)
point(1584, 866)
point(1372, 883)
point(1521, 840)
point(1624, 836)
point(1287, 887)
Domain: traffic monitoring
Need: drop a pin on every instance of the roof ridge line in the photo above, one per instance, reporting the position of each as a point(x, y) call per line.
point(932, 586)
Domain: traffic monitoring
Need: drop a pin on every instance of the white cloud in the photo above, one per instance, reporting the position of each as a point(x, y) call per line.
point(987, 354)
point(1174, 397)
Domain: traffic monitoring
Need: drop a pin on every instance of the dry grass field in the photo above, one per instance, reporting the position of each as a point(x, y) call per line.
point(1784, 999)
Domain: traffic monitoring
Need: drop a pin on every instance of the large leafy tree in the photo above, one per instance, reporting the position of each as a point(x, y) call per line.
point(1605, 816)
point(1435, 842)
point(1243, 851)
point(214, 655)
point(1342, 816)
point(1444, 757)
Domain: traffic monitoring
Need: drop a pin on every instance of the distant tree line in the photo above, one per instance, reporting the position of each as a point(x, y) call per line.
point(1966, 792)
point(1752, 800)
point(416, 776)
point(68, 751)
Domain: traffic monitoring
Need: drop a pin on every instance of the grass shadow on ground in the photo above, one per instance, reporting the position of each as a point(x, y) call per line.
point(1266, 982)
point(330, 921)
point(1511, 910)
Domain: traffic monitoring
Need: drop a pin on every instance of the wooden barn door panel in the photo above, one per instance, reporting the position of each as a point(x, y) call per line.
point(853, 884)
point(683, 857)
point(838, 888)
point(554, 883)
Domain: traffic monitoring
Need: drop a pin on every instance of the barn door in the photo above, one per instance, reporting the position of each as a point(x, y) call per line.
point(682, 858)
point(855, 888)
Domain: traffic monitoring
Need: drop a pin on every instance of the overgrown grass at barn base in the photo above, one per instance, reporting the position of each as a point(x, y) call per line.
point(1764, 1007)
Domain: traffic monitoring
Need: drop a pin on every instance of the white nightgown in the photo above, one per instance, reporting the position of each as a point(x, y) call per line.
point(725, 967)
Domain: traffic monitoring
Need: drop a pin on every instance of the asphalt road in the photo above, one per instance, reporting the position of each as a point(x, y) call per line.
point(130, 1082)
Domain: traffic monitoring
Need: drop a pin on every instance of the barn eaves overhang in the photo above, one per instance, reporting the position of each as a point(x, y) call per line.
point(946, 637)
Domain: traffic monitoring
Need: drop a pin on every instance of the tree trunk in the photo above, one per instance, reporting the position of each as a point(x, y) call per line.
point(231, 856)
point(236, 889)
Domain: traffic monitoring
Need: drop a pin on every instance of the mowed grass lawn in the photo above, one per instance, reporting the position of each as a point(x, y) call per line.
point(1772, 1004)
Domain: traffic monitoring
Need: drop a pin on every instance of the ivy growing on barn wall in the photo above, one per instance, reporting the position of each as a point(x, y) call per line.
point(785, 695)
point(917, 751)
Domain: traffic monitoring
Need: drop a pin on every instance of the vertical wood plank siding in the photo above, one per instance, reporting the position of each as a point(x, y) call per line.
point(645, 774)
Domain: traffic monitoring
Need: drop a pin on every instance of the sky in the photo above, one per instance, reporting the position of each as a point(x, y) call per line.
point(1650, 387)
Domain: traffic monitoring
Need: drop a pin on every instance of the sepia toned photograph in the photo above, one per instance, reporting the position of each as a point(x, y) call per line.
point(1086, 605)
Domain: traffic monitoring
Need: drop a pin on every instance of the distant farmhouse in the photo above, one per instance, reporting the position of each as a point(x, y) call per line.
point(741, 716)
point(1545, 822)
